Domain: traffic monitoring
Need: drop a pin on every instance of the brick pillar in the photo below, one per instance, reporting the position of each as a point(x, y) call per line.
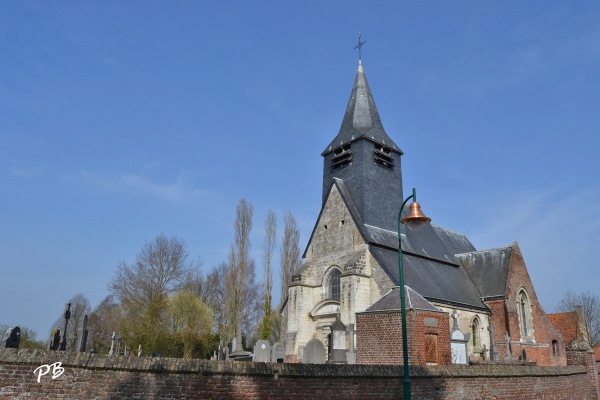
point(586, 358)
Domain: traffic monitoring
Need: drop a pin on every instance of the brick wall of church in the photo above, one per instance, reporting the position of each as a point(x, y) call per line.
point(506, 319)
point(101, 377)
point(379, 338)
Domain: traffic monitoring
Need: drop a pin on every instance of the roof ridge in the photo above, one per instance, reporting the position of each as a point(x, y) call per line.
point(486, 250)
point(448, 230)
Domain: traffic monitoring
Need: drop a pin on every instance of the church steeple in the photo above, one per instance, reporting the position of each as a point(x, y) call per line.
point(361, 119)
point(366, 159)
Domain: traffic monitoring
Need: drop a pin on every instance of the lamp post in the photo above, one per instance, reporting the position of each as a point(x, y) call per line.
point(415, 218)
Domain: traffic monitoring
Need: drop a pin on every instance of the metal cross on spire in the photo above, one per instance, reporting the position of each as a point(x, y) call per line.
point(360, 44)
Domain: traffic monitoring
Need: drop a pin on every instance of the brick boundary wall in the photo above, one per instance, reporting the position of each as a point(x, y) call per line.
point(93, 376)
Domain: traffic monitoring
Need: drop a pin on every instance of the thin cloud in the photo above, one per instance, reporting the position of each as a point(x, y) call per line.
point(556, 231)
point(179, 191)
point(25, 172)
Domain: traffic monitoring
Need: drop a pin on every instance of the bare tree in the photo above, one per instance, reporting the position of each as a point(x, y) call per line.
point(590, 311)
point(290, 252)
point(270, 240)
point(289, 260)
point(215, 295)
point(80, 306)
point(143, 288)
point(103, 321)
point(243, 295)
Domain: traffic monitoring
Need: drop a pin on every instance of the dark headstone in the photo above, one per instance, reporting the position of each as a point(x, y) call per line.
point(63, 344)
point(54, 343)
point(12, 338)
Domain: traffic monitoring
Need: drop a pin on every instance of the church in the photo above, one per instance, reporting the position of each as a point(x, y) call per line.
point(483, 300)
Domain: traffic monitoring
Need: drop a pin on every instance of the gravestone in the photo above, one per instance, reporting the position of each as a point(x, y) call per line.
point(119, 340)
point(238, 353)
point(277, 353)
point(314, 352)
point(12, 338)
point(351, 354)
point(338, 344)
point(82, 340)
point(112, 344)
point(126, 352)
point(63, 344)
point(458, 343)
point(262, 351)
point(54, 342)
point(494, 356)
point(507, 354)
point(139, 350)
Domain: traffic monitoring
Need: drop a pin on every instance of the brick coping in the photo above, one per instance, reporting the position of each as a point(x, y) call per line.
point(207, 367)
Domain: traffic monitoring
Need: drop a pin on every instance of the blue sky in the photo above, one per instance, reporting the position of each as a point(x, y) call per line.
point(123, 120)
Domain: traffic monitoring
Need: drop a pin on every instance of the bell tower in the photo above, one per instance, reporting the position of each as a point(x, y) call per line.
point(366, 159)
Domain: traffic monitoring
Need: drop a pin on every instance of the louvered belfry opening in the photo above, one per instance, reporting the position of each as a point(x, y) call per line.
point(342, 157)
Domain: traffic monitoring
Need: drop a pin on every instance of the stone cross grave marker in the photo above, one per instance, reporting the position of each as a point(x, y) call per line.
point(82, 340)
point(507, 355)
point(458, 343)
point(314, 352)
point(262, 351)
point(277, 353)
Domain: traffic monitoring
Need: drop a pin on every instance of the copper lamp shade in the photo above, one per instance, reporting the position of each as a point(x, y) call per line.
point(415, 216)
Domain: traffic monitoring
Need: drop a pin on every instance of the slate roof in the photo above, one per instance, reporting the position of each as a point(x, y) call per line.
point(361, 118)
point(436, 281)
point(488, 269)
point(391, 301)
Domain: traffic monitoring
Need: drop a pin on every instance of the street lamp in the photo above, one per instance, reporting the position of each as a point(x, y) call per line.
point(414, 218)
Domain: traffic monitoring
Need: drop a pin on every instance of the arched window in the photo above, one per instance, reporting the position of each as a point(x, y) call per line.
point(475, 332)
point(334, 284)
point(525, 321)
point(554, 348)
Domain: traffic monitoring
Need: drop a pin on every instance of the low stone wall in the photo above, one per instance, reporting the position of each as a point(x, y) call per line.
point(92, 376)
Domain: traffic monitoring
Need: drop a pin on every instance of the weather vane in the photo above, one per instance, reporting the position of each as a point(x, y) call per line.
point(360, 44)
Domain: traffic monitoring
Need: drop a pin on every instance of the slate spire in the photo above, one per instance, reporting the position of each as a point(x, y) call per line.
point(364, 157)
point(361, 119)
